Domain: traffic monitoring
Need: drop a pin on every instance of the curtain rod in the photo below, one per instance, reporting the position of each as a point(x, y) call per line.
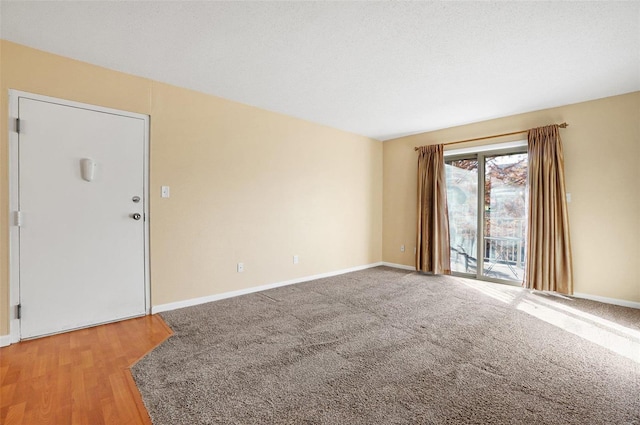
point(563, 125)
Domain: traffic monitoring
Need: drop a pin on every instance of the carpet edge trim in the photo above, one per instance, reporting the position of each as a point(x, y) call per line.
point(216, 297)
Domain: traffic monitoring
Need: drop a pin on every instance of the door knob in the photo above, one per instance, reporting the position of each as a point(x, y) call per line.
point(136, 216)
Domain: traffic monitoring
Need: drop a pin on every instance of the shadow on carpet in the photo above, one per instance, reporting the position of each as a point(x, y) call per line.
point(387, 346)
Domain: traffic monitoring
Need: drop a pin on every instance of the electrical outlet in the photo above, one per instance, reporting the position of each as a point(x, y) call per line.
point(401, 248)
point(296, 259)
point(240, 267)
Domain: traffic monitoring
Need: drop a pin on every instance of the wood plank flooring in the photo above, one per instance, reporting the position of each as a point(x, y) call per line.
point(79, 377)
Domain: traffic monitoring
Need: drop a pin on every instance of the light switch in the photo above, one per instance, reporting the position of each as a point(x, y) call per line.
point(568, 198)
point(165, 191)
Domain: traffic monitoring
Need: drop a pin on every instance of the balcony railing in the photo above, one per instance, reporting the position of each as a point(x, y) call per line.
point(504, 249)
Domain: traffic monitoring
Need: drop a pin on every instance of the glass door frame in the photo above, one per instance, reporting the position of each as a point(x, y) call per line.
point(480, 156)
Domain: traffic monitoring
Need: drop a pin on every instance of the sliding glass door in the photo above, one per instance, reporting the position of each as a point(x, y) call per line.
point(486, 195)
point(462, 203)
point(505, 185)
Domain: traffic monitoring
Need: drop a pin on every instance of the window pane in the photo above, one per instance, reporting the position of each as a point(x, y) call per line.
point(505, 216)
point(462, 202)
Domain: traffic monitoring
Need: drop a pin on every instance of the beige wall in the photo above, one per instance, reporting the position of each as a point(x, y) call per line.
point(602, 165)
point(258, 187)
point(247, 185)
point(255, 187)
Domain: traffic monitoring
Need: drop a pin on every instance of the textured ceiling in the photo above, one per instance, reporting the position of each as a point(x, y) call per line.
point(380, 69)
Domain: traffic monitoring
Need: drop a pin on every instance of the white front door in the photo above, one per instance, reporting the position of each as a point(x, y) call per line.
point(81, 241)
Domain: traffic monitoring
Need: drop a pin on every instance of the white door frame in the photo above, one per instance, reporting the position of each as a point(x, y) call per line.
point(14, 239)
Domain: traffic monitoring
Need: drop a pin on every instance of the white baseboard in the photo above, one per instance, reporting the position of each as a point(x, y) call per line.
point(5, 340)
point(399, 266)
point(607, 300)
point(11, 338)
point(202, 300)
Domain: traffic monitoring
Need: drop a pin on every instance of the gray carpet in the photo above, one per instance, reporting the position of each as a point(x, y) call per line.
point(386, 346)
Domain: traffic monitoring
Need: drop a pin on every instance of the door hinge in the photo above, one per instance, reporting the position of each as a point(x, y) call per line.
point(19, 311)
point(18, 218)
point(18, 125)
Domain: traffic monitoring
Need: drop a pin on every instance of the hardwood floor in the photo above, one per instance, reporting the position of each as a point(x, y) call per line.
point(80, 377)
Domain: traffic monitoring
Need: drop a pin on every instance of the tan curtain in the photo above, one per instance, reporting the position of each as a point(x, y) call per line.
point(432, 245)
point(549, 265)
